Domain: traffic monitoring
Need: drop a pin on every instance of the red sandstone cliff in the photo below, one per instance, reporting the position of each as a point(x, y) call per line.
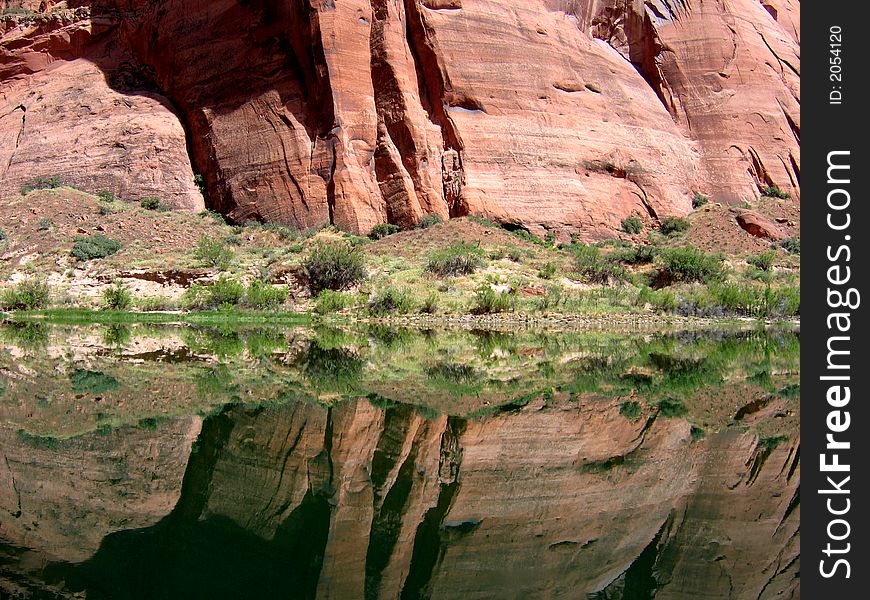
point(553, 115)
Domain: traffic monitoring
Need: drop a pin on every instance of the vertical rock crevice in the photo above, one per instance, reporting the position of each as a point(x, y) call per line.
point(436, 95)
point(429, 546)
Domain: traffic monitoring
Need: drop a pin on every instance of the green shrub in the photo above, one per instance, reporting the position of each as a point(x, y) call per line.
point(631, 410)
point(672, 407)
point(41, 183)
point(791, 245)
point(3, 235)
point(43, 224)
point(554, 298)
point(225, 292)
point(515, 254)
point(388, 301)
point(150, 203)
point(430, 304)
point(687, 264)
point(333, 266)
point(92, 382)
point(117, 297)
point(771, 191)
point(699, 200)
point(671, 225)
point(763, 261)
point(28, 294)
point(636, 255)
point(548, 271)
point(199, 182)
point(105, 210)
point(156, 304)
point(458, 259)
point(594, 268)
point(88, 247)
point(382, 230)
point(107, 196)
point(213, 252)
point(488, 301)
point(632, 225)
point(429, 220)
point(263, 295)
point(329, 301)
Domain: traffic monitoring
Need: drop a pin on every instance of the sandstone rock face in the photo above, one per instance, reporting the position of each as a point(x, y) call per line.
point(545, 502)
point(62, 497)
point(755, 224)
point(60, 117)
point(559, 116)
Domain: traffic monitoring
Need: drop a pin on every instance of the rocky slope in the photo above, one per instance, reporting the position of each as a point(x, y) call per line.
point(553, 115)
point(546, 502)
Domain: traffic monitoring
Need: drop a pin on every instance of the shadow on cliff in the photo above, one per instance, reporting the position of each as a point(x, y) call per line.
point(187, 556)
point(205, 59)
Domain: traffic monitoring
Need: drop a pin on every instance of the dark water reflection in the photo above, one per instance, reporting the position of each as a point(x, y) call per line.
point(158, 462)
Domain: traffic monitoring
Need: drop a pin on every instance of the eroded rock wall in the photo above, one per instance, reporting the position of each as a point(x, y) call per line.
point(560, 116)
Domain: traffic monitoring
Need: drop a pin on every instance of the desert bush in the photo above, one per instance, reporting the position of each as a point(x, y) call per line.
point(771, 191)
point(389, 300)
point(763, 261)
point(105, 210)
point(458, 259)
point(333, 266)
point(699, 200)
point(329, 301)
point(43, 224)
point(156, 304)
point(594, 268)
point(429, 220)
point(213, 252)
point(225, 292)
point(488, 301)
point(262, 295)
point(548, 271)
point(791, 245)
point(3, 235)
point(41, 183)
point(199, 182)
point(671, 225)
point(150, 203)
point(631, 410)
point(636, 255)
point(107, 196)
point(430, 304)
point(632, 225)
point(382, 230)
point(687, 264)
point(27, 294)
point(117, 297)
point(88, 247)
point(554, 298)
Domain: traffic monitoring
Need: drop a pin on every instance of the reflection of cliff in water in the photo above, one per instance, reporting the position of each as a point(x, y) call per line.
point(549, 500)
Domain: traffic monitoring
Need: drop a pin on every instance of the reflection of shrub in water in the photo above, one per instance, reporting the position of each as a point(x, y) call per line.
point(381, 402)
point(92, 382)
point(453, 373)
point(117, 336)
point(390, 338)
point(671, 407)
point(27, 336)
point(215, 382)
point(45, 442)
point(332, 369)
point(631, 410)
point(219, 342)
point(488, 343)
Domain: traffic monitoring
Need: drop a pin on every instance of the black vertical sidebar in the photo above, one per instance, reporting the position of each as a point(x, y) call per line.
point(835, 370)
